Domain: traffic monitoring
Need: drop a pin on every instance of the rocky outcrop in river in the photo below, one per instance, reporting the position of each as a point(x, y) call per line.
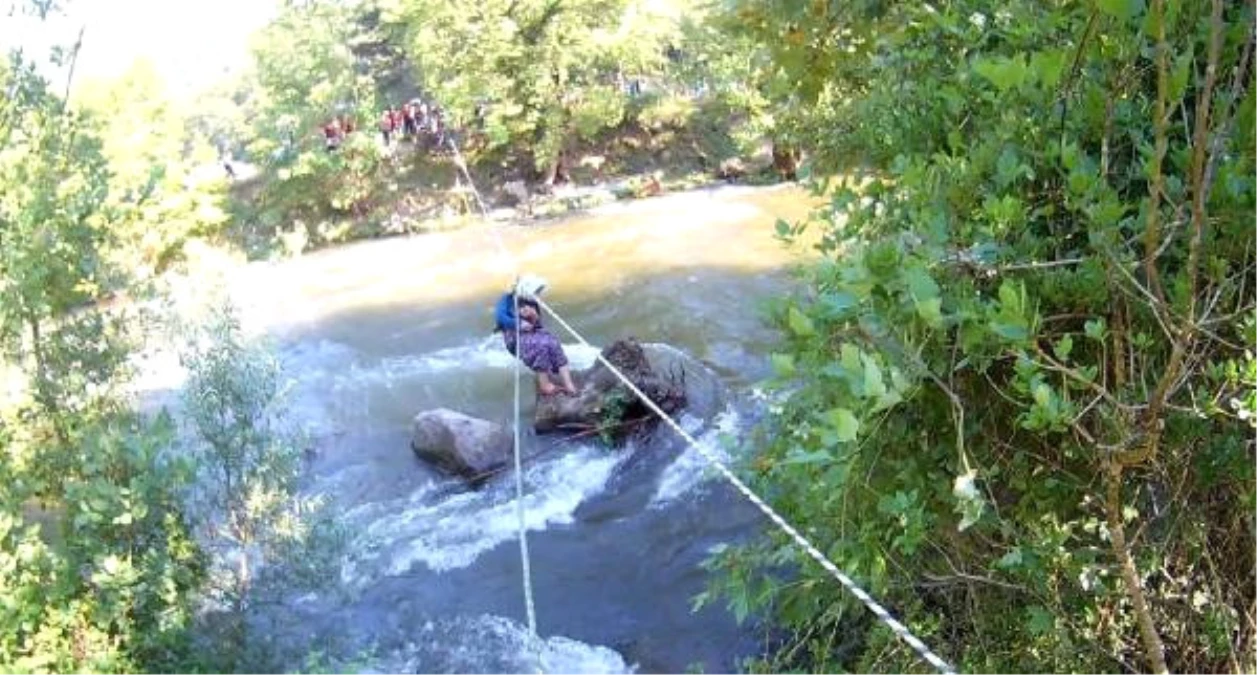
point(603, 407)
point(460, 444)
point(603, 403)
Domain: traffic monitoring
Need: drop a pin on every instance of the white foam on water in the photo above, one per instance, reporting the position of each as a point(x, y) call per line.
point(481, 354)
point(489, 644)
point(452, 532)
point(690, 469)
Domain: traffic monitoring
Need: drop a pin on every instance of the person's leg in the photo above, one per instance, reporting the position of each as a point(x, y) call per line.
point(565, 374)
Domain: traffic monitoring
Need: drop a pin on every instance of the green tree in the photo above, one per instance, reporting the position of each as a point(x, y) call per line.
point(165, 179)
point(1017, 397)
point(97, 563)
point(304, 74)
point(55, 223)
point(546, 70)
point(266, 538)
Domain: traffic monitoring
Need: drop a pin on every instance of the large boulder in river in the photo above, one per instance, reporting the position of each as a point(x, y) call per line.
point(464, 445)
point(603, 404)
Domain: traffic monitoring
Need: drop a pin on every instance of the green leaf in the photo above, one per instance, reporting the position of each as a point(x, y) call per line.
point(1007, 168)
point(1121, 9)
point(1009, 560)
point(850, 357)
point(783, 364)
point(920, 284)
point(800, 323)
point(1048, 66)
point(1063, 347)
point(1039, 621)
point(1005, 73)
point(1011, 332)
point(845, 424)
point(1094, 329)
point(837, 303)
point(874, 386)
point(741, 604)
point(1009, 297)
point(1042, 394)
point(930, 311)
point(1180, 74)
point(799, 456)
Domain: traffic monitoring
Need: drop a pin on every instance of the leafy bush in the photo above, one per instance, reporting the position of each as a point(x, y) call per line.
point(107, 582)
point(669, 110)
point(1008, 388)
point(265, 537)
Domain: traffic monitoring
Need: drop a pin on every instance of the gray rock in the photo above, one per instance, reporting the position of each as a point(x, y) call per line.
point(602, 402)
point(460, 444)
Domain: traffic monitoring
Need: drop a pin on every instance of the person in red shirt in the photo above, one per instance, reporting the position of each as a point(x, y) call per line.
point(332, 134)
point(386, 126)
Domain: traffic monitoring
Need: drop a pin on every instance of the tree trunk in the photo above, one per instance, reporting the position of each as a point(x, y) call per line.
point(1154, 648)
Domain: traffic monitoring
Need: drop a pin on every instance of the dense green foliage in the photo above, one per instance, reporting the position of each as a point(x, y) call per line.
point(160, 198)
point(266, 538)
point(304, 74)
point(1018, 396)
point(107, 559)
point(533, 91)
point(549, 73)
point(96, 554)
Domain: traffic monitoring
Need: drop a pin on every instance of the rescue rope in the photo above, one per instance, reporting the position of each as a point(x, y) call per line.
point(875, 607)
point(899, 629)
point(519, 494)
point(522, 524)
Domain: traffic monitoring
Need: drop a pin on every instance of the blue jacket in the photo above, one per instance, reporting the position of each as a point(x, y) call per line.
point(504, 313)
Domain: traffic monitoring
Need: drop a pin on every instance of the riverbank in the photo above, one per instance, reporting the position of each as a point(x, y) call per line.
point(407, 188)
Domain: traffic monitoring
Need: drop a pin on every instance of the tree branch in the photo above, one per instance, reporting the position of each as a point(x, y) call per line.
point(1239, 88)
point(1156, 182)
point(1154, 648)
point(1152, 422)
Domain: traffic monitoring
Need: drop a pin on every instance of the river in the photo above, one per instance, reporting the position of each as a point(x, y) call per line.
point(374, 332)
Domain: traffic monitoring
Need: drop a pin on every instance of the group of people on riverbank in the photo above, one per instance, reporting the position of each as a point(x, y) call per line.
point(416, 121)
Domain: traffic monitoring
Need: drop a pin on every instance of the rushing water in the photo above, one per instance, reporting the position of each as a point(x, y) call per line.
point(375, 332)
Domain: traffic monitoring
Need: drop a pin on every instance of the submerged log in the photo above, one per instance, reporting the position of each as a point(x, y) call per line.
point(603, 404)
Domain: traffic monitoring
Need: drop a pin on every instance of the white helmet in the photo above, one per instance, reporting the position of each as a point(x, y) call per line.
point(529, 286)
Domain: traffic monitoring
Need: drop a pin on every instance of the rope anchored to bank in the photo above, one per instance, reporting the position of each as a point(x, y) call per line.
point(878, 610)
point(883, 615)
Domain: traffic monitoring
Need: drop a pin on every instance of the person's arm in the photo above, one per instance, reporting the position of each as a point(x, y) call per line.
point(505, 312)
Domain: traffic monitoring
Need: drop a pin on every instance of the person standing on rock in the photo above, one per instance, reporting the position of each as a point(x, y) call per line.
point(538, 348)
